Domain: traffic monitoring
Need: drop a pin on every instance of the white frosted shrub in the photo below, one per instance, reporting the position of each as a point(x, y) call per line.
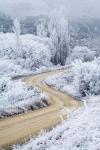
point(87, 77)
point(34, 51)
point(9, 68)
point(16, 97)
point(34, 55)
point(3, 84)
point(82, 53)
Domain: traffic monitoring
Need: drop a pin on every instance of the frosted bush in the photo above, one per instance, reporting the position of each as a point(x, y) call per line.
point(87, 77)
point(3, 84)
point(59, 81)
point(33, 54)
point(9, 68)
point(7, 45)
point(82, 53)
point(16, 97)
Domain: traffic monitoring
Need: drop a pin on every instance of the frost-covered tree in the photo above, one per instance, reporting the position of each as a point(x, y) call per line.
point(17, 31)
point(41, 30)
point(59, 35)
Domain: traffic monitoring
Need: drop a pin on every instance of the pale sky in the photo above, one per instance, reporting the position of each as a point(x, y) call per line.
point(38, 7)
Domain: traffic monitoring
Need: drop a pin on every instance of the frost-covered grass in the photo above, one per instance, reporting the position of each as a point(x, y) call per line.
point(16, 97)
point(63, 82)
point(81, 131)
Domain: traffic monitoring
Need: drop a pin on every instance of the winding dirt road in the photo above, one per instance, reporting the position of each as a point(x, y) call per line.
point(16, 129)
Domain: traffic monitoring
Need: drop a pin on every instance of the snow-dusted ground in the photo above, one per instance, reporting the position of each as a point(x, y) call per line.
point(81, 131)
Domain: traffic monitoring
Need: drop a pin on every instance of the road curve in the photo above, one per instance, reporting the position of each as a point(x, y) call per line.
point(16, 129)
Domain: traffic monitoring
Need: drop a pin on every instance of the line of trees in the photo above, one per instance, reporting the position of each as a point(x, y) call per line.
point(57, 30)
point(58, 33)
point(63, 34)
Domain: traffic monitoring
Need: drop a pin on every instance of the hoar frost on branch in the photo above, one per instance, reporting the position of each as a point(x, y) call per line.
point(41, 30)
point(59, 36)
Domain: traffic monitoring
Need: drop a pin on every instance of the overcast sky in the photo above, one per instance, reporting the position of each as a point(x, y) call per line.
point(37, 7)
